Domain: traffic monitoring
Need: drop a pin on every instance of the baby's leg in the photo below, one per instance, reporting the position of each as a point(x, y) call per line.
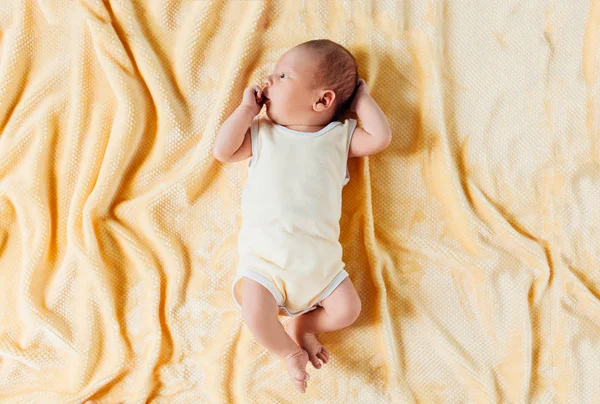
point(259, 310)
point(340, 309)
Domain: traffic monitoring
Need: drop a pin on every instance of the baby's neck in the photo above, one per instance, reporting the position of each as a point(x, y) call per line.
point(306, 128)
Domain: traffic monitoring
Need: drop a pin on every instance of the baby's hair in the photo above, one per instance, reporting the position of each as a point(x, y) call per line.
point(337, 70)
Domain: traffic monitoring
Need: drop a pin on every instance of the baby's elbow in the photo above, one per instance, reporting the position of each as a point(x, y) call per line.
point(385, 142)
point(219, 155)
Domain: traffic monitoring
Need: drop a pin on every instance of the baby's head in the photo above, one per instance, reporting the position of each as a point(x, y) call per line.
point(312, 84)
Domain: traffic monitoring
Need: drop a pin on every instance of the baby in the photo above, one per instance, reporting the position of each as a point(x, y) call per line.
point(290, 255)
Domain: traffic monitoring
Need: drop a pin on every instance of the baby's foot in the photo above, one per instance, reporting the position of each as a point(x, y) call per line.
point(309, 343)
point(296, 367)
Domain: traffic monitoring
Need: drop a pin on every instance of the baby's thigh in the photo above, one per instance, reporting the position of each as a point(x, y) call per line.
point(344, 299)
point(256, 299)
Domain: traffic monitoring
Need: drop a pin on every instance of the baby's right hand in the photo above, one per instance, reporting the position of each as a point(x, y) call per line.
point(253, 98)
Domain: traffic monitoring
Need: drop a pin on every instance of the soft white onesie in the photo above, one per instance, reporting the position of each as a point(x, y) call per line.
point(291, 208)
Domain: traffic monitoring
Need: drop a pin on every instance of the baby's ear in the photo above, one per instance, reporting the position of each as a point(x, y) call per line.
point(325, 101)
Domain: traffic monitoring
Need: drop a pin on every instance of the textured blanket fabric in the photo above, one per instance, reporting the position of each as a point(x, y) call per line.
point(473, 240)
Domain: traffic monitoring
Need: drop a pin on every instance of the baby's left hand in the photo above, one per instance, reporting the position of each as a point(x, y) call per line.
point(361, 92)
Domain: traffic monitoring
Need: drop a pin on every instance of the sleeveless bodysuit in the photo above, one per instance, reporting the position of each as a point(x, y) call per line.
point(291, 208)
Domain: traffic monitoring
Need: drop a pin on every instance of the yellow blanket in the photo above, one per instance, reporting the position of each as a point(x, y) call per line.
point(473, 240)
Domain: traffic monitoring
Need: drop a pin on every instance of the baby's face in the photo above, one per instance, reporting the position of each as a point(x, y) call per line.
point(288, 88)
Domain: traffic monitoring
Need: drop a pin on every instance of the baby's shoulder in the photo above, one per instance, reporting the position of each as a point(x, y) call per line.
point(260, 122)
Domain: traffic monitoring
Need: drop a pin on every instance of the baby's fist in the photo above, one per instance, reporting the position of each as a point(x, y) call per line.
point(253, 98)
point(361, 92)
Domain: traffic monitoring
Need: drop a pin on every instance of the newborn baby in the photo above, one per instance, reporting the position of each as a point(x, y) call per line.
point(290, 255)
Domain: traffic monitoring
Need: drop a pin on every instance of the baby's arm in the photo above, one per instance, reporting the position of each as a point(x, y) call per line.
point(233, 142)
point(375, 135)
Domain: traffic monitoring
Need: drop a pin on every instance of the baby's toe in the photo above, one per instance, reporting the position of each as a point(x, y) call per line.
point(301, 388)
point(301, 376)
point(300, 385)
point(322, 356)
point(315, 361)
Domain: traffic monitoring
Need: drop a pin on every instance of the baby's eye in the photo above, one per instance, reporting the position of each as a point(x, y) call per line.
point(281, 74)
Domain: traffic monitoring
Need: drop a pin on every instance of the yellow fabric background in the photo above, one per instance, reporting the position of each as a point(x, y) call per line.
point(473, 240)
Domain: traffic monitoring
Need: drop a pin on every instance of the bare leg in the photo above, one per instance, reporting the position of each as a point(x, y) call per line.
point(260, 310)
point(340, 309)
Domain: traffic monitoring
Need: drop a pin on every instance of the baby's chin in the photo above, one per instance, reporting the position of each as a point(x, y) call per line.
point(271, 116)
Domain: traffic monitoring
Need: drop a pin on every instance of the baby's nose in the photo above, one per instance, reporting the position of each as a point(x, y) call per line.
point(267, 81)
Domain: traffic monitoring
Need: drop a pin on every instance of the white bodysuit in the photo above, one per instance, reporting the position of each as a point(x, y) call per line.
point(291, 208)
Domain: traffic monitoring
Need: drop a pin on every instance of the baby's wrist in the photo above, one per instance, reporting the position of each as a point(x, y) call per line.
point(250, 109)
point(364, 99)
point(360, 99)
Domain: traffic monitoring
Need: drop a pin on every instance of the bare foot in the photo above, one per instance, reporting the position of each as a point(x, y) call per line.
point(308, 342)
point(296, 367)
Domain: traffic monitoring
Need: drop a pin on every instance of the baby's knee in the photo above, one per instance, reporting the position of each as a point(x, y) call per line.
point(349, 312)
point(354, 309)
